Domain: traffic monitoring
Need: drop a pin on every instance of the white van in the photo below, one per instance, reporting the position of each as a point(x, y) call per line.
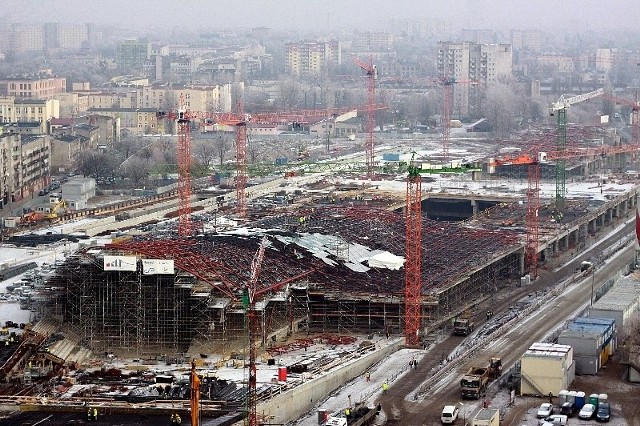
point(449, 414)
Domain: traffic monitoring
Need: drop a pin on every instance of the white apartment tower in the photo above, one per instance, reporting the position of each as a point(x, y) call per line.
point(472, 66)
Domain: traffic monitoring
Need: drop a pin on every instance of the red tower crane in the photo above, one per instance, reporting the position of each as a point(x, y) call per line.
point(413, 254)
point(372, 75)
point(183, 119)
point(239, 121)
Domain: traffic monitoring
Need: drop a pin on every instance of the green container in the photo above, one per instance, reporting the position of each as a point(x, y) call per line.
point(593, 399)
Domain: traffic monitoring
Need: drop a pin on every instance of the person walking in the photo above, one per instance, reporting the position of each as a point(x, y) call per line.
point(385, 387)
point(367, 376)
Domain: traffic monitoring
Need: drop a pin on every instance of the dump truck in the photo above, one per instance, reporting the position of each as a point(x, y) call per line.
point(474, 383)
point(463, 325)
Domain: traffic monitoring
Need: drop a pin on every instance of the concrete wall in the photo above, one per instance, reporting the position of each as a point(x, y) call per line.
point(296, 402)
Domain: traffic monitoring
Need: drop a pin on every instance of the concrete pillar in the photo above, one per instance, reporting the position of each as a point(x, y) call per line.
point(474, 207)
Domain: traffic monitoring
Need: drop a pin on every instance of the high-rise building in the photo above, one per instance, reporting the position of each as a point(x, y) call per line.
point(527, 40)
point(311, 57)
point(372, 41)
point(472, 66)
point(131, 54)
point(478, 36)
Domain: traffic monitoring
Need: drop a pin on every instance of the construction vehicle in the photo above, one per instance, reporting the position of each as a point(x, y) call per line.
point(359, 416)
point(56, 210)
point(495, 368)
point(474, 383)
point(31, 218)
point(464, 324)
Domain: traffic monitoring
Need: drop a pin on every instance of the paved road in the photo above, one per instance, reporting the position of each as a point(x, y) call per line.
point(399, 405)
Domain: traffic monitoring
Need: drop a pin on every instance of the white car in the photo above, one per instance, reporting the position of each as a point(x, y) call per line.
point(554, 419)
point(545, 410)
point(449, 414)
point(587, 411)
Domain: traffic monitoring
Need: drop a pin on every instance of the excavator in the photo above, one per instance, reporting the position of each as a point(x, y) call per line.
point(57, 210)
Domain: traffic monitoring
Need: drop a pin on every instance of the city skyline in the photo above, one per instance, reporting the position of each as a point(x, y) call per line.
point(330, 15)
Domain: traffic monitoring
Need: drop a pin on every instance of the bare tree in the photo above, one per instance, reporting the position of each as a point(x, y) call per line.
point(127, 145)
point(134, 168)
point(204, 151)
point(221, 146)
point(96, 164)
point(289, 92)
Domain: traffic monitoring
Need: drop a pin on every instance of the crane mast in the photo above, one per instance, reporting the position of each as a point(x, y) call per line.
point(560, 109)
point(249, 296)
point(413, 254)
point(372, 75)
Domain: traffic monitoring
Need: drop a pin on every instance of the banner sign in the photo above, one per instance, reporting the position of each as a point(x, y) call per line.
point(120, 263)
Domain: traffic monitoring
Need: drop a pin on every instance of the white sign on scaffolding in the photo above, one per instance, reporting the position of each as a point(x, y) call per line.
point(120, 263)
point(157, 266)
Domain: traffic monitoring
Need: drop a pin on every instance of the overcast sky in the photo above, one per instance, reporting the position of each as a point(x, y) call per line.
point(330, 14)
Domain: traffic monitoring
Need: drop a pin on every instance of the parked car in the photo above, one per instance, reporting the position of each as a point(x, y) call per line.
point(587, 411)
point(545, 410)
point(449, 414)
point(554, 419)
point(603, 413)
point(568, 409)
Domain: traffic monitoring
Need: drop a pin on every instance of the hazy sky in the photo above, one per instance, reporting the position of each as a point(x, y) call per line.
point(330, 14)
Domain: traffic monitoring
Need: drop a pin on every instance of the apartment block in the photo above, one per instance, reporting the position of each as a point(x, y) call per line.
point(24, 163)
point(65, 150)
point(131, 54)
point(33, 88)
point(138, 121)
point(530, 40)
point(13, 110)
point(478, 36)
point(472, 66)
point(311, 58)
point(372, 41)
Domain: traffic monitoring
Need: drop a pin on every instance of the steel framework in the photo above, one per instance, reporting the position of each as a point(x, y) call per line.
point(372, 75)
point(532, 222)
point(413, 257)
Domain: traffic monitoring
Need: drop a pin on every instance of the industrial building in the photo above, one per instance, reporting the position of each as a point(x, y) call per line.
point(620, 303)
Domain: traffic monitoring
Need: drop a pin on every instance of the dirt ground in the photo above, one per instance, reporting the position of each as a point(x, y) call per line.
point(611, 380)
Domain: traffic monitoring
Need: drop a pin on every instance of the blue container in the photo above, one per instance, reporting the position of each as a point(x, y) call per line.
point(281, 161)
point(387, 156)
point(580, 400)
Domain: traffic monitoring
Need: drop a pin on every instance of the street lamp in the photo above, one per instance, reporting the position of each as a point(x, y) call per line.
point(464, 413)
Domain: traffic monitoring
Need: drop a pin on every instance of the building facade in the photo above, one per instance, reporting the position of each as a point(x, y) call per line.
point(28, 110)
point(24, 161)
point(471, 67)
point(33, 88)
point(138, 121)
point(311, 57)
point(131, 54)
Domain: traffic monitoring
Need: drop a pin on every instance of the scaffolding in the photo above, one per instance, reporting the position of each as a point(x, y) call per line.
point(199, 304)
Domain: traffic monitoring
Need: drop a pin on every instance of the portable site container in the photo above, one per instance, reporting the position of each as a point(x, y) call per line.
point(486, 417)
point(607, 326)
point(586, 350)
point(546, 368)
point(619, 303)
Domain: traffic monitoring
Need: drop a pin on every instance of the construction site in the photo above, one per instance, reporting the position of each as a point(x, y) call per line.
point(360, 253)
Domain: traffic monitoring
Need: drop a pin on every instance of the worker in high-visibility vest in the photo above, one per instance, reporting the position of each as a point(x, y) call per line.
point(347, 412)
point(385, 387)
